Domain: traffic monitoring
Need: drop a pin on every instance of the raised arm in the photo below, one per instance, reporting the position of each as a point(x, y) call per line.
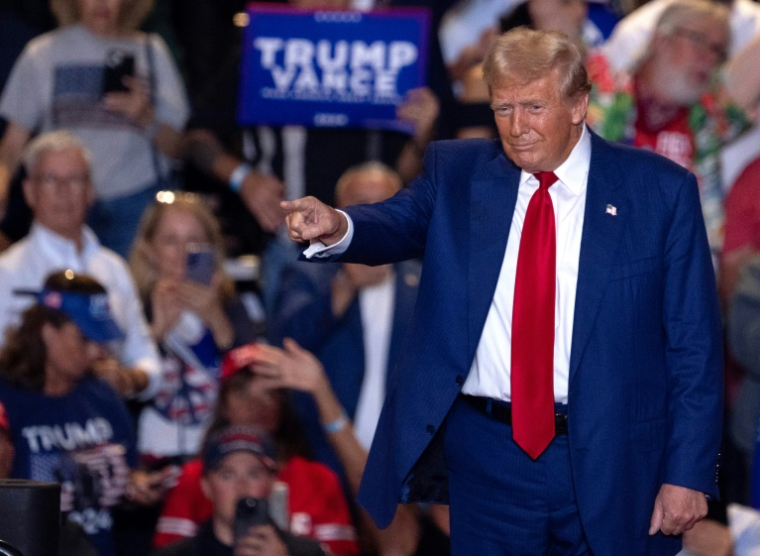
point(296, 368)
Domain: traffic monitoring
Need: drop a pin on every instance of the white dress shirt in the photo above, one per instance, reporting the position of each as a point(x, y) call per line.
point(490, 372)
point(376, 304)
point(27, 263)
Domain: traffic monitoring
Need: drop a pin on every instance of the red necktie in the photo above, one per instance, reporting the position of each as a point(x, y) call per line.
point(533, 324)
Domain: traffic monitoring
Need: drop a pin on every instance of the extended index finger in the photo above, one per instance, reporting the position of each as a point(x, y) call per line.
point(297, 205)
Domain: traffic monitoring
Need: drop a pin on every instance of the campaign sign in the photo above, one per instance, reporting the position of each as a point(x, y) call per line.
point(330, 68)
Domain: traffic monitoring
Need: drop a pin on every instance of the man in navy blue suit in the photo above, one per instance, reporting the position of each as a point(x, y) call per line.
point(562, 382)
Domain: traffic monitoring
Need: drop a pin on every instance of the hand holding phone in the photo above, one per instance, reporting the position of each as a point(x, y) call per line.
point(200, 264)
point(119, 64)
point(250, 512)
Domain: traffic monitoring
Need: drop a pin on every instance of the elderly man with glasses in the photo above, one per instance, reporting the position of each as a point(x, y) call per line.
point(675, 103)
point(59, 191)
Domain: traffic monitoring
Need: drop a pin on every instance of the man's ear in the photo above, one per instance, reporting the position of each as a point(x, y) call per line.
point(580, 108)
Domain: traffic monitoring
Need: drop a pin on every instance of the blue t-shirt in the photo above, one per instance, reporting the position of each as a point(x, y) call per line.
point(83, 440)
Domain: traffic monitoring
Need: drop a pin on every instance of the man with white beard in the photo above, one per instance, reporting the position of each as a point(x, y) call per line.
point(674, 102)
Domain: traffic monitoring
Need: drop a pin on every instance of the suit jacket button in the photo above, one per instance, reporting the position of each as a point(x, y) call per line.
point(460, 380)
point(430, 429)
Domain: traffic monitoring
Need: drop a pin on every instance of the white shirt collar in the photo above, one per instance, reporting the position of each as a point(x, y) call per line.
point(573, 172)
point(57, 244)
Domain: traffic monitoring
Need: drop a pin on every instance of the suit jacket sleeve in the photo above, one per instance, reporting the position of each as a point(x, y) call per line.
point(395, 230)
point(694, 352)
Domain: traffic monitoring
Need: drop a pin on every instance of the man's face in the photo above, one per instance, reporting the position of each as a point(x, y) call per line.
point(537, 126)
point(372, 186)
point(59, 191)
point(239, 475)
point(683, 62)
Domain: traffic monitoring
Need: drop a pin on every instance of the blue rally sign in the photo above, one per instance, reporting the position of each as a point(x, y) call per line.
point(329, 68)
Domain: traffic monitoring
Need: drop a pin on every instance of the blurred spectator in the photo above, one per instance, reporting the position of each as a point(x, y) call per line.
point(59, 191)
point(744, 343)
point(674, 102)
point(296, 368)
point(353, 317)
point(265, 164)
point(630, 38)
point(742, 229)
point(193, 317)
point(65, 425)
point(736, 535)
point(128, 113)
point(469, 28)
point(467, 31)
point(316, 503)
point(238, 463)
point(568, 16)
point(628, 42)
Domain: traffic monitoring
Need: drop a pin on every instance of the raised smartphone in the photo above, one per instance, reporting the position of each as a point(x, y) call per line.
point(200, 264)
point(119, 64)
point(250, 512)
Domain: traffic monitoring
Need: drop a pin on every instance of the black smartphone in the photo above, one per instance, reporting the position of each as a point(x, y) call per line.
point(200, 264)
point(250, 512)
point(119, 64)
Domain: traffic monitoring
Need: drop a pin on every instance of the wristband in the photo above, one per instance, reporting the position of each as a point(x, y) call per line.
point(238, 175)
point(336, 426)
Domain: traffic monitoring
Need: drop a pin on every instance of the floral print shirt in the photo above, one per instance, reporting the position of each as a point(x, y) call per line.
point(711, 123)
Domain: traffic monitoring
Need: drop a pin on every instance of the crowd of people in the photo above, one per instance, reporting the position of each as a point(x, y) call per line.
point(159, 387)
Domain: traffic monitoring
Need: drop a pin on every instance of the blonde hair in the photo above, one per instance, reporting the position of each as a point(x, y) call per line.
point(131, 16)
point(524, 55)
point(140, 263)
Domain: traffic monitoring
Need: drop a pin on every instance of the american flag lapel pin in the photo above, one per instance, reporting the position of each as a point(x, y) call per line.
point(611, 209)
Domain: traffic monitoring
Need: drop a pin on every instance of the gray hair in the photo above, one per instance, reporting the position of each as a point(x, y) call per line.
point(53, 141)
point(685, 11)
point(524, 55)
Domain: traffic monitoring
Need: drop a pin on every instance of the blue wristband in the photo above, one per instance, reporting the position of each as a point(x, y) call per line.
point(336, 426)
point(238, 175)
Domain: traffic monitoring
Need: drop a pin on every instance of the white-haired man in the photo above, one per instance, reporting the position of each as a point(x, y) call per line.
point(59, 191)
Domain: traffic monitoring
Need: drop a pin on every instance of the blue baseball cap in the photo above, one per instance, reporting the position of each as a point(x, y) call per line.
point(90, 312)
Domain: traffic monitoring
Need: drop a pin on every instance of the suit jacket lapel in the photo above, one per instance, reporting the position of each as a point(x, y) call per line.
point(493, 194)
point(601, 234)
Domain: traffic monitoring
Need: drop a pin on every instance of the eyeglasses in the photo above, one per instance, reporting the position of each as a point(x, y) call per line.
point(52, 181)
point(702, 41)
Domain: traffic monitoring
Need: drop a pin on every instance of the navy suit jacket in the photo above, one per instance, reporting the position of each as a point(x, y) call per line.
point(645, 384)
point(304, 313)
